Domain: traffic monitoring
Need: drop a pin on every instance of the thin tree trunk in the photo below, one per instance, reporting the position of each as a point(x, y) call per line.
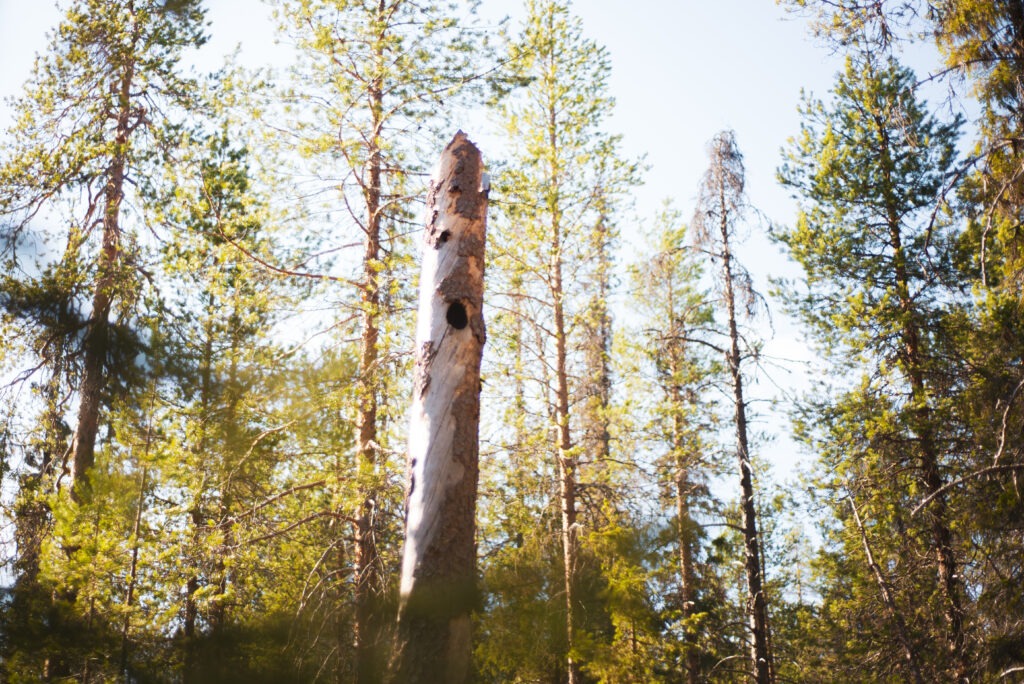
point(32, 519)
point(567, 462)
point(368, 627)
point(570, 540)
point(757, 609)
point(129, 599)
point(196, 514)
point(686, 525)
point(597, 422)
point(133, 568)
point(942, 535)
point(888, 598)
point(191, 612)
point(226, 494)
point(438, 586)
point(687, 576)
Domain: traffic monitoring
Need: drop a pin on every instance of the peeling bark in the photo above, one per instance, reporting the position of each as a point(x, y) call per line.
point(438, 584)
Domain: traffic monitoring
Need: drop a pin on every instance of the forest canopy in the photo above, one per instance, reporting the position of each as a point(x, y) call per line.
point(209, 348)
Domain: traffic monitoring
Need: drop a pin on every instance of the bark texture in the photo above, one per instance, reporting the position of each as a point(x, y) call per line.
point(438, 585)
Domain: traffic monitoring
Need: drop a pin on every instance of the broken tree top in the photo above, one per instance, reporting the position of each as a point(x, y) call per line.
point(438, 586)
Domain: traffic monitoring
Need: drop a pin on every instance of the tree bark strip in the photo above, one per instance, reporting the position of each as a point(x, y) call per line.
point(438, 585)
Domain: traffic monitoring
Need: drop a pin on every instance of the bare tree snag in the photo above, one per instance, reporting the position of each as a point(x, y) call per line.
point(438, 585)
point(721, 203)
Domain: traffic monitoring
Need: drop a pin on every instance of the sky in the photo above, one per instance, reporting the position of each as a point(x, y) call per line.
point(682, 70)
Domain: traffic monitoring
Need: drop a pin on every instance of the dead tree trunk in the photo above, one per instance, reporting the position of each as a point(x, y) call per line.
point(720, 205)
point(438, 586)
point(757, 607)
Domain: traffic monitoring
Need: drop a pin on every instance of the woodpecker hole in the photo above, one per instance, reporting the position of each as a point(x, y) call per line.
point(456, 316)
point(443, 237)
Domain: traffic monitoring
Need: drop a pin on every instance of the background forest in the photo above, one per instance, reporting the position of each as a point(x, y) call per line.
point(208, 296)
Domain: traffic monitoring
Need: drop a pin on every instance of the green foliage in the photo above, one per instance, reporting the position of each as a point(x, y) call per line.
point(234, 256)
point(868, 170)
point(881, 290)
point(561, 196)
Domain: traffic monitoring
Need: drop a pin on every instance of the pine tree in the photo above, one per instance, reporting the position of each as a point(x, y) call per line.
point(561, 161)
point(374, 80)
point(867, 169)
point(87, 127)
point(675, 318)
point(92, 124)
point(980, 42)
point(983, 41)
point(222, 441)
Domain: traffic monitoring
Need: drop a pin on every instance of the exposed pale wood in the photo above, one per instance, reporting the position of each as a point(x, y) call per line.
point(438, 585)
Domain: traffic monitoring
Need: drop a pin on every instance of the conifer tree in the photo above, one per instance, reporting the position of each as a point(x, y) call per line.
point(221, 450)
point(93, 122)
point(675, 319)
point(89, 125)
point(366, 109)
point(980, 42)
point(867, 169)
point(565, 178)
point(983, 42)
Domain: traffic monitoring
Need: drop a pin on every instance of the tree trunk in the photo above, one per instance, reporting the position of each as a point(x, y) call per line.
point(597, 352)
point(95, 343)
point(438, 585)
point(567, 462)
point(133, 570)
point(687, 576)
point(888, 598)
point(681, 453)
point(757, 608)
point(924, 428)
point(368, 627)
